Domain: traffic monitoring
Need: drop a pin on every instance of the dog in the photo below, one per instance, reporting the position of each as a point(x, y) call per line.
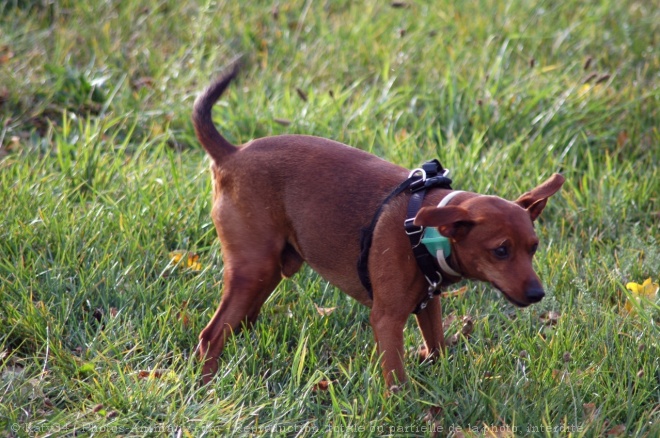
point(282, 201)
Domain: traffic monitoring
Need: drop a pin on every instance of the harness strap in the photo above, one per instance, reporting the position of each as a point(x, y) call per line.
point(441, 259)
point(367, 234)
point(425, 259)
point(430, 175)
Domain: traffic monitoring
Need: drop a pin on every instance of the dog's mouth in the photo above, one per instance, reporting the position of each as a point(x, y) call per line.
point(509, 298)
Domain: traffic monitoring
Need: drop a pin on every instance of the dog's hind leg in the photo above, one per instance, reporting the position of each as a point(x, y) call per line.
point(250, 277)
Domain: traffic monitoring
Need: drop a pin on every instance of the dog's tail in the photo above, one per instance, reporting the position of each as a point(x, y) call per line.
point(215, 144)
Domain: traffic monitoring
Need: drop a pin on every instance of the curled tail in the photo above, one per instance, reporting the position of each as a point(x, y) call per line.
point(215, 144)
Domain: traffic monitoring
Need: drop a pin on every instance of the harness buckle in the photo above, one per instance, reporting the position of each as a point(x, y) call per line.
point(433, 285)
point(416, 171)
point(410, 228)
point(430, 294)
point(421, 180)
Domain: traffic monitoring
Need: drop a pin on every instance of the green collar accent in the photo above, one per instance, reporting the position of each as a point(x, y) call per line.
point(434, 241)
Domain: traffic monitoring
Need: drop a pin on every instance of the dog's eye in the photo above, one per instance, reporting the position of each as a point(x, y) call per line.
point(501, 252)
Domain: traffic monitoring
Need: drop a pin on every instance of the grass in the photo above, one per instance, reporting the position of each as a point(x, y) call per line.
point(101, 178)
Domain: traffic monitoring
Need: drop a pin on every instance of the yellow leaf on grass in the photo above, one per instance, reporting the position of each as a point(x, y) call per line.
point(191, 260)
point(646, 289)
point(176, 256)
point(641, 293)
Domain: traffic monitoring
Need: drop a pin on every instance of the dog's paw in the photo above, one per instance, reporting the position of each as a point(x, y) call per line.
point(395, 389)
point(423, 355)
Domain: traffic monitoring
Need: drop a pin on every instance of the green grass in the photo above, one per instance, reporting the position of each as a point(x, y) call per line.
point(101, 177)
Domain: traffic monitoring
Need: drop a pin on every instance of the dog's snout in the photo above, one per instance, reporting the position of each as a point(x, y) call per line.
point(535, 293)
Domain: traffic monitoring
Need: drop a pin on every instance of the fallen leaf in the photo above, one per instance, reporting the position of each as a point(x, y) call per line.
point(193, 262)
point(111, 414)
point(97, 408)
point(4, 97)
point(559, 375)
point(550, 318)
point(647, 289)
point(432, 413)
point(156, 373)
point(590, 411)
point(641, 293)
point(617, 430)
point(455, 293)
point(433, 417)
point(399, 4)
point(301, 94)
point(191, 259)
point(145, 81)
point(113, 312)
point(451, 340)
point(587, 62)
point(622, 138)
point(324, 311)
point(602, 78)
point(448, 321)
point(323, 385)
point(590, 77)
point(283, 122)
point(468, 326)
point(176, 256)
point(6, 56)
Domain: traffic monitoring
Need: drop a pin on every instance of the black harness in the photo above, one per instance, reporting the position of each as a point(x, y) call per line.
point(430, 175)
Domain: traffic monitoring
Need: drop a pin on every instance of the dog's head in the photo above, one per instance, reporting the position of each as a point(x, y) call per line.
point(493, 239)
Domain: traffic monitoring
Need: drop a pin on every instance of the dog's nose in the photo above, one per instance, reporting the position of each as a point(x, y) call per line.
point(535, 294)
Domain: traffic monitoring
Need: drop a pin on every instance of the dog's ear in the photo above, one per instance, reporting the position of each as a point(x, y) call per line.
point(535, 200)
point(451, 221)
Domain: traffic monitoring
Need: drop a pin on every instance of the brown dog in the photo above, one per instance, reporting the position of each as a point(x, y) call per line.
point(281, 201)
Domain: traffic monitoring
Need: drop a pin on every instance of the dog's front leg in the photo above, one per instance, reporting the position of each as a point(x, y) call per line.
point(429, 321)
point(388, 325)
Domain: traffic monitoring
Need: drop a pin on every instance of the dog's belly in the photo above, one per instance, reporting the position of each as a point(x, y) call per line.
point(338, 266)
